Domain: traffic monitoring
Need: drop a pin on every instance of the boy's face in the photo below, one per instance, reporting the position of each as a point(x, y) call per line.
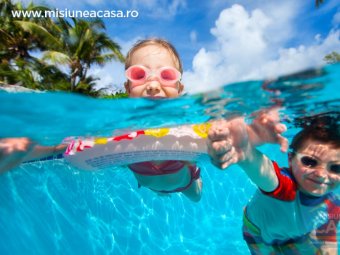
point(153, 57)
point(316, 168)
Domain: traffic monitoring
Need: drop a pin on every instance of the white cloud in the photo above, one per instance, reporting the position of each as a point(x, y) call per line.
point(111, 75)
point(250, 45)
point(237, 31)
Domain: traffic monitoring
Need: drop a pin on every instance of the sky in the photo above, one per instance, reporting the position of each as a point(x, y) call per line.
point(222, 41)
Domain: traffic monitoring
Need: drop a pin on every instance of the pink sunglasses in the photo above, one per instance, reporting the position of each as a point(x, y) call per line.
point(167, 75)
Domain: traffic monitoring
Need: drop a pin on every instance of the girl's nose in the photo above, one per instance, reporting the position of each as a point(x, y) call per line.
point(153, 87)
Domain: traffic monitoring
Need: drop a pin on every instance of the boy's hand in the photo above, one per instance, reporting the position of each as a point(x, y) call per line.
point(266, 128)
point(227, 142)
point(13, 151)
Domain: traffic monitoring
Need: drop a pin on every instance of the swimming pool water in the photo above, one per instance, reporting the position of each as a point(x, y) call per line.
point(49, 207)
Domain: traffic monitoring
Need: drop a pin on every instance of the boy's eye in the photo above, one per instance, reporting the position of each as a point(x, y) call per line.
point(335, 168)
point(309, 162)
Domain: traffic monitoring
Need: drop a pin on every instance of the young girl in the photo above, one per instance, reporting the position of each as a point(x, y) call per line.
point(153, 69)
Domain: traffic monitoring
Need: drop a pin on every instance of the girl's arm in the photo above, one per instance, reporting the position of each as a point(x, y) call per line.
point(14, 151)
point(40, 152)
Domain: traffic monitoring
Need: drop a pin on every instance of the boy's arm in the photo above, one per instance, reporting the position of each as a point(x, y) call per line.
point(267, 128)
point(260, 170)
point(233, 141)
point(229, 143)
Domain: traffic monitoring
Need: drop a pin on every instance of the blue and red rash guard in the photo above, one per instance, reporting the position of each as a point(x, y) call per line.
point(289, 214)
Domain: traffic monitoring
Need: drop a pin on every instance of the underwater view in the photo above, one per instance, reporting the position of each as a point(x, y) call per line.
point(51, 207)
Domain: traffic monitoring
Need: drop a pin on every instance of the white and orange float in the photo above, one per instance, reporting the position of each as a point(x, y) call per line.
point(186, 142)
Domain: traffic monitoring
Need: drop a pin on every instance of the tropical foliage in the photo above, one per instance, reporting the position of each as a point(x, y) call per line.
point(68, 48)
point(116, 95)
point(332, 58)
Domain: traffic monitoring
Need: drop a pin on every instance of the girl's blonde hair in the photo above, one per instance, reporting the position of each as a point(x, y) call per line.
point(154, 41)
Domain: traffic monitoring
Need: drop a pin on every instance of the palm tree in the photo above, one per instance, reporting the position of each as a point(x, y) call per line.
point(19, 37)
point(77, 44)
point(332, 58)
point(83, 45)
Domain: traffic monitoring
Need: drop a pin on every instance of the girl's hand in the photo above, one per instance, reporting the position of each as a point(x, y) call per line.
point(13, 151)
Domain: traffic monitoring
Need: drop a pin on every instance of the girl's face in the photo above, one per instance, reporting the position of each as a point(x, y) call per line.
point(316, 168)
point(153, 57)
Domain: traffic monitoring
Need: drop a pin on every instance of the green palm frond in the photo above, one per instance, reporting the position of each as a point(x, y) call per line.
point(38, 31)
point(56, 57)
point(74, 43)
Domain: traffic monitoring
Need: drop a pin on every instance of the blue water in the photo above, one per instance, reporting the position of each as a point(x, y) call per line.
point(51, 208)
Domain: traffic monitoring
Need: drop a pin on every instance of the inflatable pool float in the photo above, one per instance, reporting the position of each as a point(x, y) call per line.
point(178, 143)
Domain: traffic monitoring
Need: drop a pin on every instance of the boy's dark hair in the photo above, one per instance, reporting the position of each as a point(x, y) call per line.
point(322, 127)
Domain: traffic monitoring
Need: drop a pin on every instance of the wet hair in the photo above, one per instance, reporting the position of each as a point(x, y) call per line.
point(323, 128)
point(154, 41)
